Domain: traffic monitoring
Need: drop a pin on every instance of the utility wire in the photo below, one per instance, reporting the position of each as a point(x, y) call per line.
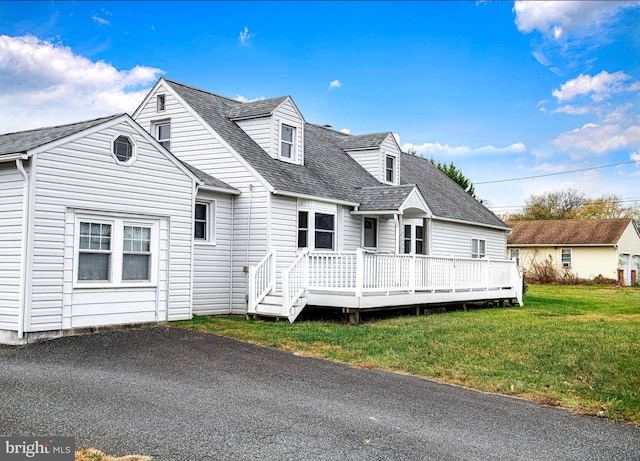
point(555, 174)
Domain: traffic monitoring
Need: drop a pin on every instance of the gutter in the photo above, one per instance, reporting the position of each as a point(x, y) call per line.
point(314, 197)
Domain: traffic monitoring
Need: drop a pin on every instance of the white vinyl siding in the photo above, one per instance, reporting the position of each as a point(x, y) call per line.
point(287, 114)
point(11, 210)
point(212, 265)
point(454, 239)
point(194, 143)
point(81, 175)
point(375, 160)
point(352, 231)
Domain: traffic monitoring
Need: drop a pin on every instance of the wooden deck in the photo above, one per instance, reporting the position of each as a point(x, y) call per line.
point(359, 280)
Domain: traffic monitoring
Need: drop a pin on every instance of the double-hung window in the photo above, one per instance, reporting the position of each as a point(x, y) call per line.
point(287, 142)
point(407, 238)
point(324, 231)
point(478, 248)
point(390, 169)
point(115, 251)
point(303, 229)
point(514, 255)
point(163, 134)
point(419, 240)
point(566, 257)
point(204, 222)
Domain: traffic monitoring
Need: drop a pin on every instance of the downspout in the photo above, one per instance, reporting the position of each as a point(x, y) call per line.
point(233, 201)
point(246, 267)
point(22, 302)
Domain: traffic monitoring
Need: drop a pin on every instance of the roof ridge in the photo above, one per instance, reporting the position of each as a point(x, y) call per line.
point(64, 125)
point(202, 91)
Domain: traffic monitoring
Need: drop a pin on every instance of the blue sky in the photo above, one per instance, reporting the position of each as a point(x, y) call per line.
point(504, 90)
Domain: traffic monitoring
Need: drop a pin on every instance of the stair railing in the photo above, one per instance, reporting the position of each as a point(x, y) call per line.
point(262, 280)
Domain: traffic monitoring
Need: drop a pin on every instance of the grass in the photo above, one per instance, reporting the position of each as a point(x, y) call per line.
point(576, 347)
point(91, 454)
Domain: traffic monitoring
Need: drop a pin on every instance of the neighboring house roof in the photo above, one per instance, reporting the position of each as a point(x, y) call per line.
point(567, 232)
point(24, 141)
point(445, 198)
point(329, 171)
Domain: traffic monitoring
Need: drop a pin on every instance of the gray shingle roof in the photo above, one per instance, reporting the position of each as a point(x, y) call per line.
point(207, 179)
point(24, 141)
point(568, 232)
point(328, 171)
point(445, 198)
point(326, 165)
point(363, 141)
point(384, 198)
point(261, 108)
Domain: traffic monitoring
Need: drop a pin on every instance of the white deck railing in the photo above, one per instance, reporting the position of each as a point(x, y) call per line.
point(359, 273)
point(262, 280)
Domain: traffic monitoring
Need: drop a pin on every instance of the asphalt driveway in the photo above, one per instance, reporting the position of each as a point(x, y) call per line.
point(185, 396)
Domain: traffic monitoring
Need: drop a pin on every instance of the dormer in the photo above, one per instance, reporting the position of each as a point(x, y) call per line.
point(377, 153)
point(275, 124)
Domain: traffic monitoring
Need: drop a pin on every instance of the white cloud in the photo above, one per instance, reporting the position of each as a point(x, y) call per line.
point(345, 131)
point(46, 84)
point(572, 110)
point(335, 84)
point(635, 157)
point(438, 150)
point(241, 98)
point(101, 21)
point(245, 36)
point(597, 139)
point(558, 19)
point(600, 86)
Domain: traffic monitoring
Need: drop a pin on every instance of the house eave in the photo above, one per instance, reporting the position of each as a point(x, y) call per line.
point(313, 197)
point(375, 212)
point(223, 190)
point(472, 223)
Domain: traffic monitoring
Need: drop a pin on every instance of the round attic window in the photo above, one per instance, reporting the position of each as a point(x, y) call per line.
point(123, 148)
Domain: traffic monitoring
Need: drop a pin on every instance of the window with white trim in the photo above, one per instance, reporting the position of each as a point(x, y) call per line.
point(123, 149)
point(419, 240)
point(94, 251)
point(163, 133)
point(160, 102)
point(478, 248)
point(324, 231)
point(370, 233)
point(407, 238)
point(287, 142)
point(115, 251)
point(390, 169)
point(566, 257)
point(204, 222)
point(303, 229)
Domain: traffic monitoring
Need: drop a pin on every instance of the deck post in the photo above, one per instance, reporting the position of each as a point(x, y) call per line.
point(485, 275)
point(252, 289)
point(412, 274)
point(359, 272)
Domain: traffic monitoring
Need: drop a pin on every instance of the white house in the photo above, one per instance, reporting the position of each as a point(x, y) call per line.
point(201, 204)
point(328, 218)
point(96, 224)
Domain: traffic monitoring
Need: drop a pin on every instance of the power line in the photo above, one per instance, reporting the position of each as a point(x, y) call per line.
point(555, 174)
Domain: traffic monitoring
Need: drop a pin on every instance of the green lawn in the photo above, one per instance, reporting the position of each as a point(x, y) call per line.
point(571, 346)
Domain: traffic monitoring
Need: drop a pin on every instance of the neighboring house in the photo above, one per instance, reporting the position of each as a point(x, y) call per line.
point(96, 224)
point(313, 198)
point(585, 248)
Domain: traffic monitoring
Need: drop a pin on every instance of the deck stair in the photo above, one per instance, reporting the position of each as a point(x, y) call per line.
point(272, 306)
